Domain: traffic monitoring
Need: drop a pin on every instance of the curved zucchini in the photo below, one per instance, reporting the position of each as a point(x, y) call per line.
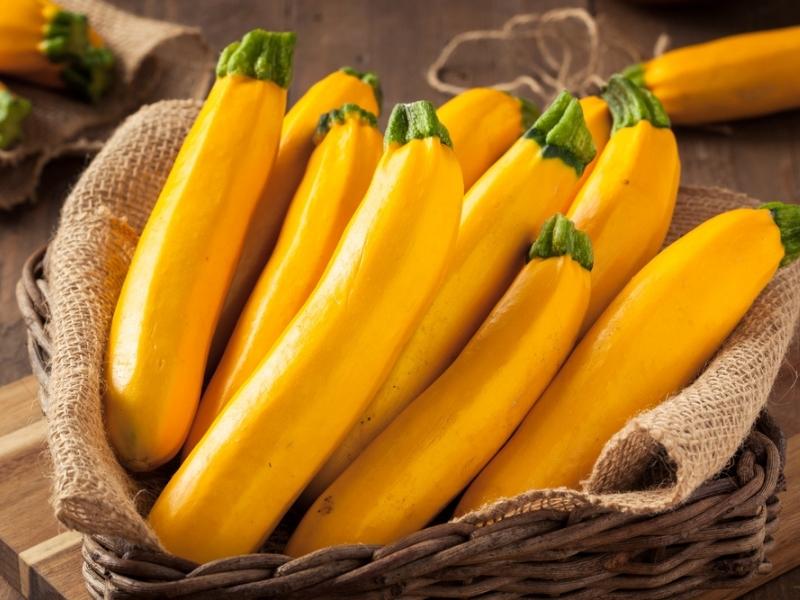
point(349, 146)
point(296, 145)
point(483, 124)
point(284, 422)
point(45, 44)
point(502, 213)
point(730, 78)
point(635, 181)
point(426, 456)
point(649, 343)
point(184, 261)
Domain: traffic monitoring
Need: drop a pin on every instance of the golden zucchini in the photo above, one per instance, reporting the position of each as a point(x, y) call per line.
point(635, 181)
point(502, 213)
point(284, 422)
point(426, 456)
point(648, 344)
point(730, 78)
point(296, 145)
point(185, 258)
point(349, 146)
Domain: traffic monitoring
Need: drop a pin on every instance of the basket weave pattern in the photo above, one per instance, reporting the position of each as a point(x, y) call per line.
point(720, 537)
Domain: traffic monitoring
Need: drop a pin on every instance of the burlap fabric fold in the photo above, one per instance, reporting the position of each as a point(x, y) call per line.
point(155, 61)
point(694, 433)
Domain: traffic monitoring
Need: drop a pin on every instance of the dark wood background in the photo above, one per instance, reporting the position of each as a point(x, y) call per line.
point(399, 39)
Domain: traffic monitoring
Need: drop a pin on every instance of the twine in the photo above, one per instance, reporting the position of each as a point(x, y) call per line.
point(559, 68)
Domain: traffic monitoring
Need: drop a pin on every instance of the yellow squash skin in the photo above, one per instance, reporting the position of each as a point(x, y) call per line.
point(650, 342)
point(502, 214)
point(338, 175)
point(45, 44)
point(283, 423)
point(598, 122)
point(435, 447)
point(483, 124)
point(635, 182)
point(184, 261)
point(730, 78)
point(296, 145)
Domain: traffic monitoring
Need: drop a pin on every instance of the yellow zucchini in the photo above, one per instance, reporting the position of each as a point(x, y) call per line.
point(349, 146)
point(426, 456)
point(730, 78)
point(13, 112)
point(650, 342)
point(184, 261)
point(635, 181)
point(502, 213)
point(45, 44)
point(287, 418)
point(296, 145)
point(483, 124)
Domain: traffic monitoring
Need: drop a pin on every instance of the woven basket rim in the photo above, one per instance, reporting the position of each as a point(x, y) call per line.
point(740, 508)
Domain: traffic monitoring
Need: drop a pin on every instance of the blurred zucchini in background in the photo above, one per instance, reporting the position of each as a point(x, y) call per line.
point(45, 44)
point(733, 77)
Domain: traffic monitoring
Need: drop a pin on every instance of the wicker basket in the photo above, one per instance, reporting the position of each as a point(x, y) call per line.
point(719, 538)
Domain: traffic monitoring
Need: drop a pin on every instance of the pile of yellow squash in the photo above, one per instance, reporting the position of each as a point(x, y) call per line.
point(42, 43)
point(467, 307)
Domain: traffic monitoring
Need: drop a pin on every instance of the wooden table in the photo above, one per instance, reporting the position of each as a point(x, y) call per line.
point(399, 39)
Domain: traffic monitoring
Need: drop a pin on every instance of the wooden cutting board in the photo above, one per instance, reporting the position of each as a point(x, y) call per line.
point(39, 558)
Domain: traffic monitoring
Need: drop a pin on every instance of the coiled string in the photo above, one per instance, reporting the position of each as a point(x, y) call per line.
point(560, 66)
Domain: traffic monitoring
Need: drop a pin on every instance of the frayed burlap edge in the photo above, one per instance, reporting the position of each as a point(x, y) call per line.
point(85, 266)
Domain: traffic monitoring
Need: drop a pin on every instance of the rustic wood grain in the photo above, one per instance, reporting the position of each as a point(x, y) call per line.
point(399, 40)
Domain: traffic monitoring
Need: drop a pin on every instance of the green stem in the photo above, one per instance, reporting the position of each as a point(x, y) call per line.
point(339, 115)
point(635, 73)
point(87, 71)
point(415, 121)
point(787, 218)
point(558, 237)
point(562, 133)
point(370, 79)
point(13, 111)
point(265, 55)
point(630, 103)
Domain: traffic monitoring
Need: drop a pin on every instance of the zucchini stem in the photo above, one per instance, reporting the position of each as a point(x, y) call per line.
point(415, 121)
point(370, 79)
point(635, 73)
point(86, 71)
point(558, 237)
point(787, 218)
point(630, 103)
point(562, 133)
point(13, 111)
point(264, 55)
point(339, 115)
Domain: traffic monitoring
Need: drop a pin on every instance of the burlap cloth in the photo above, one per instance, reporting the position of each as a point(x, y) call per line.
point(154, 61)
point(695, 433)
